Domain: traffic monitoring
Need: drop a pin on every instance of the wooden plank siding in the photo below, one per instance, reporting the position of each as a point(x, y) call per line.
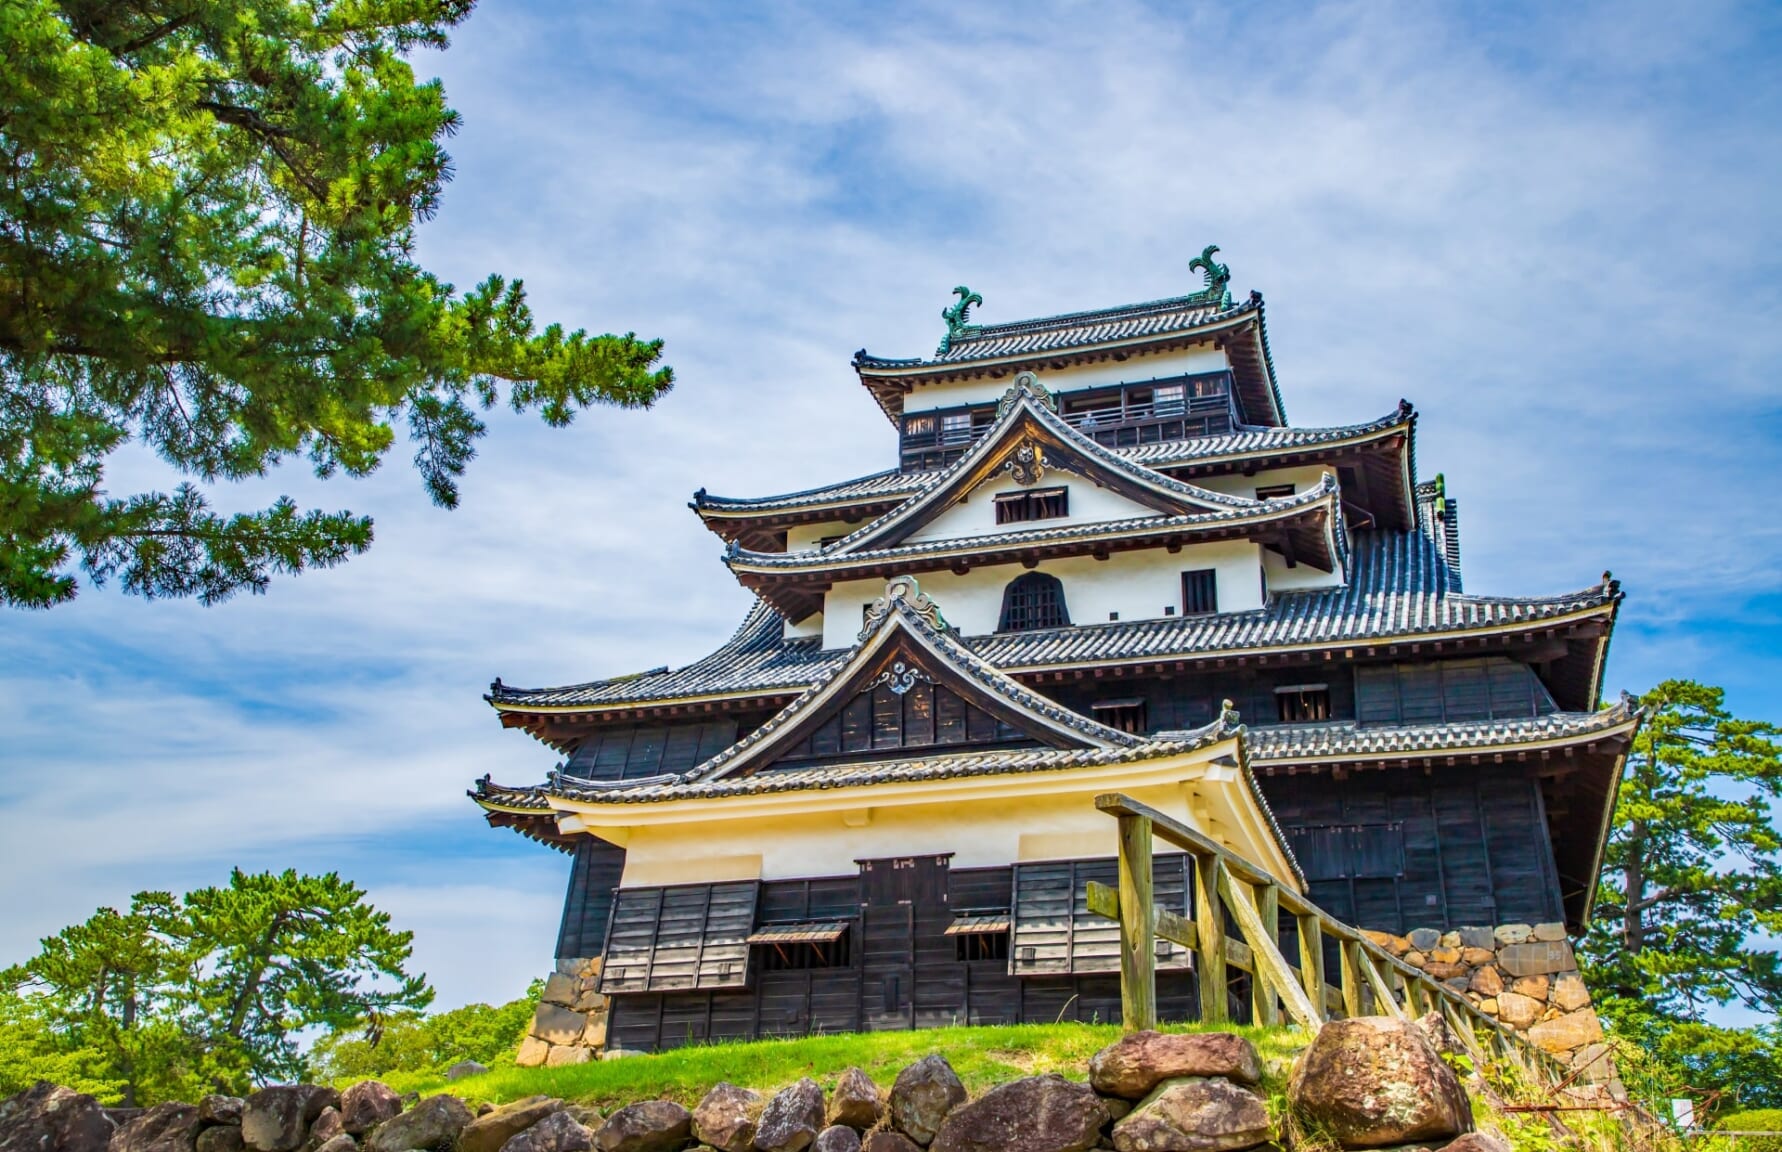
point(902, 972)
point(593, 878)
point(635, 751)
point(1472, 845)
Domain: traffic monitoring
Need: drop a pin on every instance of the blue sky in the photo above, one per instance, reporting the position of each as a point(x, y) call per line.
point(1554, 228)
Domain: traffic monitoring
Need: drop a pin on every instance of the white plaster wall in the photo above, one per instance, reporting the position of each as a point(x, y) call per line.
point(979, 834)
point(1138, 585)
point(976, 515)
point(804, 537)
point(811, 625)
point(1284, 579)
point(1138, 369)
point(1303, 478)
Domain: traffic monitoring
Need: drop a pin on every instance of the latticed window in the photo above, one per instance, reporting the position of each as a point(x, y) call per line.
point(1303, 703)
point(1127, 715)
point(1033, 600)
point(1045, 504)
point(1200, 592)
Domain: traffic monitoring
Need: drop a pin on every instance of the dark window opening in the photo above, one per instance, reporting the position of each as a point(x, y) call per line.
point(1303, 703)
point(1045, 504)
point(802, 955)
point(1274, 491)
point(1126, 715)
point(981, 946)
point(1200, 592)
point(1033, 600)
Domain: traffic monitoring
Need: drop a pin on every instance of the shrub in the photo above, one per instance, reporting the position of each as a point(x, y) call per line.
point(1757, 1120)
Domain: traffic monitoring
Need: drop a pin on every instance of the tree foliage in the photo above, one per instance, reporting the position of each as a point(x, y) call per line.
point(207, 224)
point(426, 1044)
point(179, 996)
point(1691, 890)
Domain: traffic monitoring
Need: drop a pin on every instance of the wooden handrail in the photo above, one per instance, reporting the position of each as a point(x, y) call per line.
point(1224, 881)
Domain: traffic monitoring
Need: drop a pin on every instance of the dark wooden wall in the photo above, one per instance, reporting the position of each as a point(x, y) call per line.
point(902, 971)
point(883, 722)
point(1400, 848)
point(1407, 693)
point(593, 877)
point(634, 751)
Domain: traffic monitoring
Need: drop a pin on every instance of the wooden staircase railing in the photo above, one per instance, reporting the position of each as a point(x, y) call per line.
point(1371, 978)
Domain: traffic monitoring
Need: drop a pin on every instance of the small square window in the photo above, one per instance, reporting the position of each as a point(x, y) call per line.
point(1044, 504)
point(918, 426)
point(1200, 592)
point(1303, 703)
point(1126, 715)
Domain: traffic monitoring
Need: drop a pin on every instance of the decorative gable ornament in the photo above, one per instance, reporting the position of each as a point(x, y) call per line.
point(1027, 464)
point(1218, 286)
point(1026, 384)
point(906, 590)
point(956, 315)
point(901, 677)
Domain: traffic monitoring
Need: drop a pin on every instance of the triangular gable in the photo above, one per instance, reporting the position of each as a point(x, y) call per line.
point(1028, 439)
point(906, 642)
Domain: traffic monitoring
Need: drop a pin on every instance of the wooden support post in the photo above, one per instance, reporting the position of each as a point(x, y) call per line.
point(1463, 1031)
point(1311, 957)
point(1383, 1000)
point(1351, 961)
point(1265, 950)
point(1416, 998)
point(1209, 924)
point(1265, 1007)
point(1138, 950)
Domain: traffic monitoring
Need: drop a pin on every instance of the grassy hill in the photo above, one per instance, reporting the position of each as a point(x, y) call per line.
point(982, 1057)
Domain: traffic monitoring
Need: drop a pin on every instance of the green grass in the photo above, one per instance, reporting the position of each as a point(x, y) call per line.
point(982, 1056)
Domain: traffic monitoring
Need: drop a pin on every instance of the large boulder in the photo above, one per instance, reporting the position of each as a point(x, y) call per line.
point(556, 1024)
point(49, 1118)
point(792, 1119)
point(1137, 1062)
point(1194, 1114)
point(1037, 1114)
point(219, 1109)
point(327, 1126)
point(433, 1123)
point(558, 1132)
point(855, 1101)
point(650, 1126)
point(367, 1104)
point(1567, 1032)
point(1479, 1142)
point(725, 1118)
point(340, 1142)
point(465, 1068)
point(888, 1141)
point(837, 1138)
point(164, 1128)
point(1373, 1081)
point(220, 1138)
point(1518, 1010)
point(490, 1132)
point(277, 1119)
point(922, 1096)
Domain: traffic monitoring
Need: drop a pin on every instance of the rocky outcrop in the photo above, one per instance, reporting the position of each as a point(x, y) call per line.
point(365, 1105)
point(218, 1109)
point(792, 1119)
point(163, 1128)
point(433, 1123)
point(277, 1119)
point(888, 1142)
point(1373, 1081)
point(492, 1131)
point(1194, 1114)
point(558, 1132)
point(725, 1118)
point(652, 1126)
point(837, 1138)
point(855, 1102)
point(1136, 1063)
point(1038, 1114)
point(922, 1096)
point(220, 1138)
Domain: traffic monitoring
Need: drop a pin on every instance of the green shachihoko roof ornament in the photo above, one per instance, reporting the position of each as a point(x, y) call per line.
point(1217, 290)
point(956, 316)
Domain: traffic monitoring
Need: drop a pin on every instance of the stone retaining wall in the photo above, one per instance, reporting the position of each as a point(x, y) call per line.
point(1526, 976)
point(569, 1025)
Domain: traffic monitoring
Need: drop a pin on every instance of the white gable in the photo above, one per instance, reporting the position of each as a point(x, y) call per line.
point(976, 515)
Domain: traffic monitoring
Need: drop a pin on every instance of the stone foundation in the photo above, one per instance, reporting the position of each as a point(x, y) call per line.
point(569, 1026)
point(1525, 976)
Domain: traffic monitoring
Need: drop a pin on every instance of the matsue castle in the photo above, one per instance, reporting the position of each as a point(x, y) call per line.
point(1102, 561)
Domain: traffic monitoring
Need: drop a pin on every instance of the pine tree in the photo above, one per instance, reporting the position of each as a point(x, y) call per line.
point(207, 221)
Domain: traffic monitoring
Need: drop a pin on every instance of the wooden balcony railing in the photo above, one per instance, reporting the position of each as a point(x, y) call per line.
point(1372, 980)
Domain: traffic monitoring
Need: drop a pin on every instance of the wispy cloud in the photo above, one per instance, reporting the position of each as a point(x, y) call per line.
point(1552, 228)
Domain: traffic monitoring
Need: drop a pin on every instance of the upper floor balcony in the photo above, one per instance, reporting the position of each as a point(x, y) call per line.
point(1117, 416)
